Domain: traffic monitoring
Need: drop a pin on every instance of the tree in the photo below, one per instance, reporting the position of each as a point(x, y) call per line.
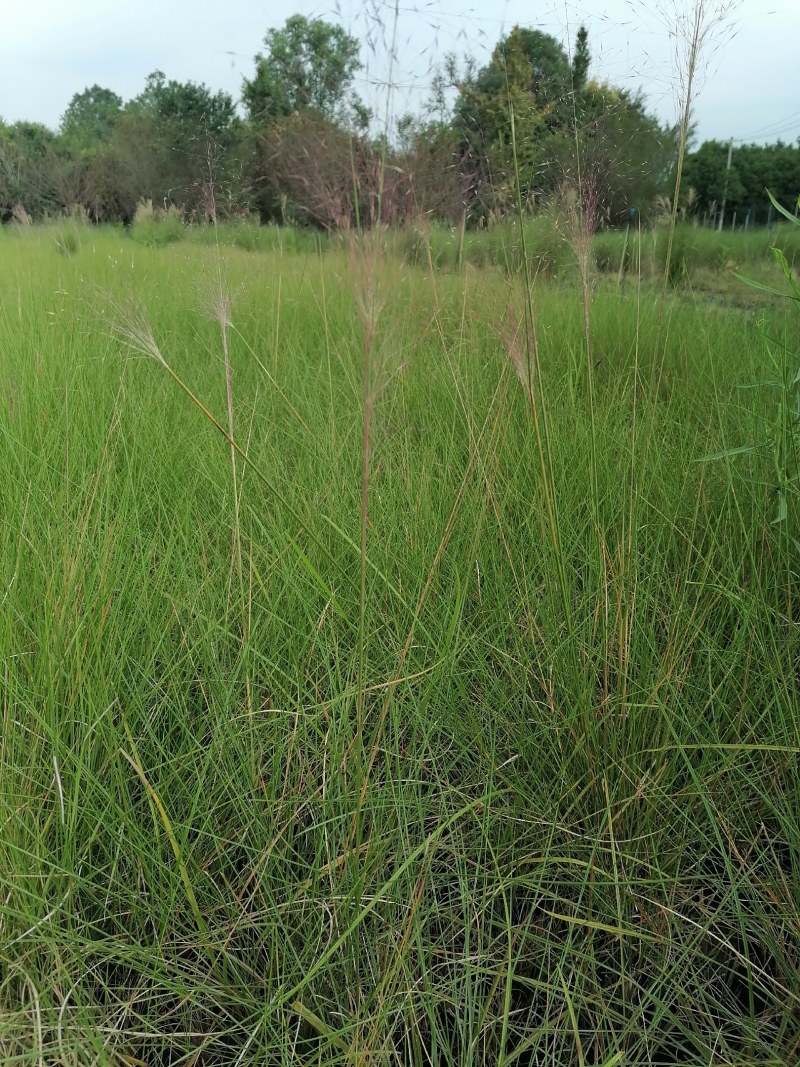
point(706, 172)
point(190, 134)
point(531, 122)
point(189, 108)
point(619, 155)
point(29, 165)
point(580, 60)
point(429, 160)
point(309, 65)
point(90, 117)
point(754, 169)
point(306, 171)
point(551, 74)
point(508, 112)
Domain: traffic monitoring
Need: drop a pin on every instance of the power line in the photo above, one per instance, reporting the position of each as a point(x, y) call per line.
point(772, 135)
point(770, 130)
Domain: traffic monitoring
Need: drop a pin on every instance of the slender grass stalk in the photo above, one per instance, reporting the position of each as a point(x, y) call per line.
point(697, 34)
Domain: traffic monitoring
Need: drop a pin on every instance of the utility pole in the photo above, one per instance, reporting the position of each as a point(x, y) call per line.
point(725, 191)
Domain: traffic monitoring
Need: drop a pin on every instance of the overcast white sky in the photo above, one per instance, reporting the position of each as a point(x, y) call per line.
point(50, 49)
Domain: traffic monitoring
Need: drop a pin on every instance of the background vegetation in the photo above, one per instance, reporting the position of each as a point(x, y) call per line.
point(303, 148)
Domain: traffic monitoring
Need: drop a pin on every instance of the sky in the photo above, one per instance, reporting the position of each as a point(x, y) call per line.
point(748, 85)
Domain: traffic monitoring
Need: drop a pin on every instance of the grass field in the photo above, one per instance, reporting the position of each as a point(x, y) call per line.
point(467, 736)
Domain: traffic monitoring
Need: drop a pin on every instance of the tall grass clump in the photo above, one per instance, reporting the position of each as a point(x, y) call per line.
point(700, 254)
point(67, 241)
point(679, 253)
point(615, 252)
point(497, 244)
point(154, 226)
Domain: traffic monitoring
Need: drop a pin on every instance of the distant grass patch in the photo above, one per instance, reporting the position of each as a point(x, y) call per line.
point(696, 249)
point(701, 256)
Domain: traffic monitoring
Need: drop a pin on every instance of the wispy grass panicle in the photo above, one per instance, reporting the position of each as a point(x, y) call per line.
point(131, 326)
point(520, 346)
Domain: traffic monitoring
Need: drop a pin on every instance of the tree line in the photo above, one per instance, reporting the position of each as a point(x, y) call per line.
point(300, 145)
point(741, 185)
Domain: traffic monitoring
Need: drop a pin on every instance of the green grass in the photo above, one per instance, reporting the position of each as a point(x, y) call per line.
point(542, 808)
point(697, 251)
point(702, 257)
point(245, 234)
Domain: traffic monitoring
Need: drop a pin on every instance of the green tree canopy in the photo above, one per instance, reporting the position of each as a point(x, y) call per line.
point(532, 117)
point(90, 117)
point(189, 109)
point(191, 136)
point(29, 166)
point(309, 65)
point(621, 154)
point(526, 66)
point(754, 169)
point(580, 60)
point(508, 111)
